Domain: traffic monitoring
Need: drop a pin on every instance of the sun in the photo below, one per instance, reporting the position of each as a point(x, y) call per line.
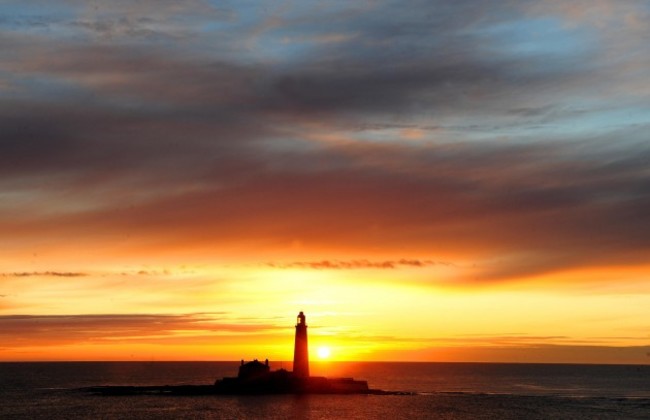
point(323, 352)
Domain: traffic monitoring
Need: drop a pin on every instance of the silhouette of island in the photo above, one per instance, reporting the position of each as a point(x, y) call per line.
point(255, 377)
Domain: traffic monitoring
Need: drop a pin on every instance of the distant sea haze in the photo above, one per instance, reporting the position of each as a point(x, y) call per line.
point(443, 390)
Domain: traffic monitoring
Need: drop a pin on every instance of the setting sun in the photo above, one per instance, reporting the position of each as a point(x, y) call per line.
point(324, 352)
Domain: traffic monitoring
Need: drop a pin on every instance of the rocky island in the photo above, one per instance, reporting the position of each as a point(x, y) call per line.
point(256, 378)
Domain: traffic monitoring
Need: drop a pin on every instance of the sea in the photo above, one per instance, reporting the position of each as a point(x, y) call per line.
point(454, 391)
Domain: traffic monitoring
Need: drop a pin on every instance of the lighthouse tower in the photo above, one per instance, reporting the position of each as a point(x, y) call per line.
point(300, 351)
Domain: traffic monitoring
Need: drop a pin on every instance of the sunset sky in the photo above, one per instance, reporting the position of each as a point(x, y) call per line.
point(428, 180)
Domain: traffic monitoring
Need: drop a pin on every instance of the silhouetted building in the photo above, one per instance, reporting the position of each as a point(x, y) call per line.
point(253, 371)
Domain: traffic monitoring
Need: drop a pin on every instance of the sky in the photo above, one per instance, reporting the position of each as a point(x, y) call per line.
point(428, 180)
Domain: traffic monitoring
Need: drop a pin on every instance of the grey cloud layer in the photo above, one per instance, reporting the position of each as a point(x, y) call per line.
point(215, 132)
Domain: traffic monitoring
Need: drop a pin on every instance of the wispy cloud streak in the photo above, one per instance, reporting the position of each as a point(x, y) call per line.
point(29, 330)
point(45, 274)
point(357, 264)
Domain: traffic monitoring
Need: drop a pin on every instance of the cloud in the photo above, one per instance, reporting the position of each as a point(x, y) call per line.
point(44, 274)
point(579, 354)
point(524, 210)
point(29, 330)
point(512, 341)
point(114, 21)
point(233, 136)
point(357, 264)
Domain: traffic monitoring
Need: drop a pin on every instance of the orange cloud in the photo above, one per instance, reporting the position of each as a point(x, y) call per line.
point(357, 264)
point(57, 330)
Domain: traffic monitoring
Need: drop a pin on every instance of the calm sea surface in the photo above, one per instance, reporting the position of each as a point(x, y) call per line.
point(443, 391)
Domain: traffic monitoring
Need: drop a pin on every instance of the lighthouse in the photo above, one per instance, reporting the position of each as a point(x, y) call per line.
point(300, 350)
point(257, 378)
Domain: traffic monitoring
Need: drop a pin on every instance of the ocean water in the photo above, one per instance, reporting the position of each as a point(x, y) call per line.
point(442, 391)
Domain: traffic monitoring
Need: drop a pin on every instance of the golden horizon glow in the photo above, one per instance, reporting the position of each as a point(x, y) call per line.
point(409, 320)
